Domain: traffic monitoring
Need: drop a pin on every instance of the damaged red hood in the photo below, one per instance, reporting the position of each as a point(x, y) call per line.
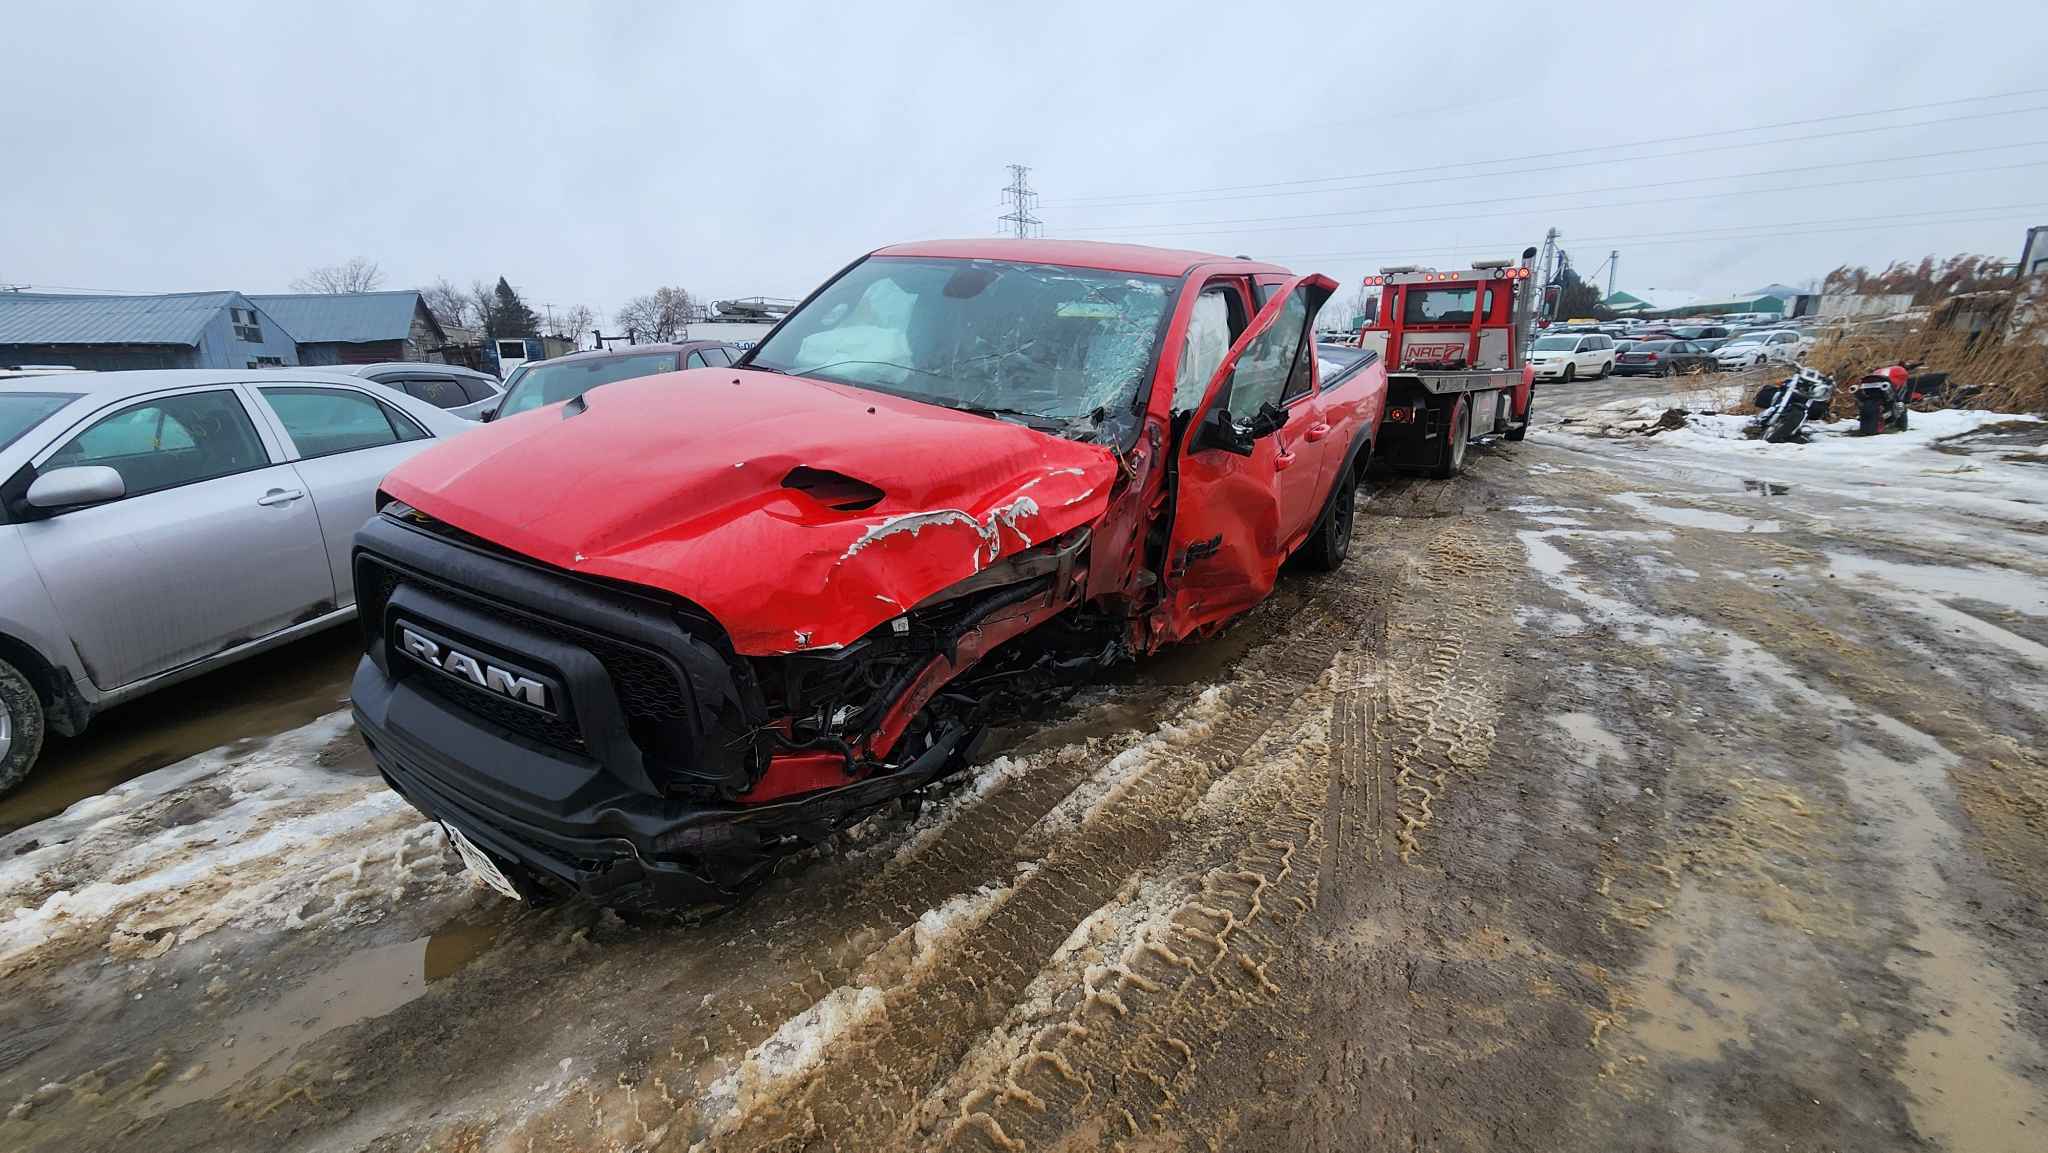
point(800, 513)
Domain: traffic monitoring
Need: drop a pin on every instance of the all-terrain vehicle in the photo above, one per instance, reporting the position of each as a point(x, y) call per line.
point(640, 644)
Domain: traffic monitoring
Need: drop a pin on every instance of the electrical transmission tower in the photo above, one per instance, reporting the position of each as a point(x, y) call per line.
point(1020, 220)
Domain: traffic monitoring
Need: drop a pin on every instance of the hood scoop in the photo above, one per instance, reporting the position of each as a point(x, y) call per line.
point(834, 490)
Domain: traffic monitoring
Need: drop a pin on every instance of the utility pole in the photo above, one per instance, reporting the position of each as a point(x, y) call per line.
point(1613, 258)
point(1020, 220)
point(1546, 271)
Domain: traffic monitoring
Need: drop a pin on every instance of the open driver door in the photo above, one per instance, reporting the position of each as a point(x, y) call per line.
point(1225, 545)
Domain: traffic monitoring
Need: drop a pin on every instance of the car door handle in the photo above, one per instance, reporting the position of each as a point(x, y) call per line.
point(1315, 432)
point(280, 496)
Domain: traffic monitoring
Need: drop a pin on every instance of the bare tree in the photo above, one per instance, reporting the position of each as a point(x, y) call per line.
point(661, 315)
point(449, 304)
point(577, 320)
point(358, 275)
point(483, 300)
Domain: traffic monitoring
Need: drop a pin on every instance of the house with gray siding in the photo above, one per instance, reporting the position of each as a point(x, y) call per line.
point(172, 330)
point(357, 327)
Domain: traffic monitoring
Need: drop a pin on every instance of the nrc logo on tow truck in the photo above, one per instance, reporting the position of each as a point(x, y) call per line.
point(452, 661)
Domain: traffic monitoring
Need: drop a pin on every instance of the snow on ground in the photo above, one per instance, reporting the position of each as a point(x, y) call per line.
point(249, 838)
point(1835, 442)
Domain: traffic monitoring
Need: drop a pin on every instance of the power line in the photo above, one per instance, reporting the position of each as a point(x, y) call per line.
point(1195, 228)
point(1021, 199)
point(1696, 236)
point(1147, 196)
point(1574, 164)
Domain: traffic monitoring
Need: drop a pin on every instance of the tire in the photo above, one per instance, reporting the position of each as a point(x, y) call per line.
point(1326, 550)
point(1570, 371)
point(1602, 373)
point(1788, 422)
point(1869, 413)
point(21, 727)
point(1663, 371)
point(1458, 436)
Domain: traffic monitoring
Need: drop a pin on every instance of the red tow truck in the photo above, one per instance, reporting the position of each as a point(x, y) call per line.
point(1452, 343)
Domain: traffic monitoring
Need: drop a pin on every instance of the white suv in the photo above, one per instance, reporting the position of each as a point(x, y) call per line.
point(1782, 346)
point(1573, 356)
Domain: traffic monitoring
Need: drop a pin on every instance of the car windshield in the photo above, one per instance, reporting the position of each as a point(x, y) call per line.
point(1753, 339)
point(538, 384)
point(1654, 345)
point(1038, 342)
point(1555, 343)
point(21, 411)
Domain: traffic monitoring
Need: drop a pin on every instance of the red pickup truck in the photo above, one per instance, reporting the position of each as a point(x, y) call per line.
point(640, 644)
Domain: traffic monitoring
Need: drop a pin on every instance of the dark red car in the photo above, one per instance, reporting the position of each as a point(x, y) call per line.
point(640, 644)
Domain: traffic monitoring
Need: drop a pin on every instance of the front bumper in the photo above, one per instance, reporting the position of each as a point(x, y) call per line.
point(559, 827)
point(1549, 371)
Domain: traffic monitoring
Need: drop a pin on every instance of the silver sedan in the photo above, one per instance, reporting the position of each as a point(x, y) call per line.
point(154, 525)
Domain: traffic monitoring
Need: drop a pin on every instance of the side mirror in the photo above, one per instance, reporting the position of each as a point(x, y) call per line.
point(487, 414)
point(1220, 431)
point(1270, 418)
point(78, 485)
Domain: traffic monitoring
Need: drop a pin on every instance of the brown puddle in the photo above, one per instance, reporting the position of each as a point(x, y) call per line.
point(1685, 1010)
point(1960, 1064)
point(256, 698)
point(368, 983)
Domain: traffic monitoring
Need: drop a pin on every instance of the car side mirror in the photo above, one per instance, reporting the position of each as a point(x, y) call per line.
point(1270, 418)
point(79, 485)
point(488, 415)
point(1220, 431)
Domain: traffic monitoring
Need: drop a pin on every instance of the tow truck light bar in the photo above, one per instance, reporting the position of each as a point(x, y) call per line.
point(1499, 272)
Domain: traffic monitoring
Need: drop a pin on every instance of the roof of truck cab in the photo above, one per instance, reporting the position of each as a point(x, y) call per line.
point(1136, 258)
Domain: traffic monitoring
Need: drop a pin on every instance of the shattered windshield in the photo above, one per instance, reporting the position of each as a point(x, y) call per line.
point(1064, 349)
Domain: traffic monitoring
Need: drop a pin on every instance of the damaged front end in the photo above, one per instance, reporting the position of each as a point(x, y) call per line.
point(605, 739)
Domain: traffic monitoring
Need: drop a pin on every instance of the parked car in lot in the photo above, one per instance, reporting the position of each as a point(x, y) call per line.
point(1664, 358)
point(154, 525)
point(1573, 356)
point(1775, 346)
point(1700, 331)
point(543, 382)
point(642, 645)
point(463, 391)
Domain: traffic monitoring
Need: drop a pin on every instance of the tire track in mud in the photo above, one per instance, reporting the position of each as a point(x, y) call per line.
point(1141, 1034)
point(1441, 694)
point(1213, 1000)
point(868, 1088)
point(981, 843)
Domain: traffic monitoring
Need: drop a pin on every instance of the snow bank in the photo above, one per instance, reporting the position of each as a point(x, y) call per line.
point(217, 839)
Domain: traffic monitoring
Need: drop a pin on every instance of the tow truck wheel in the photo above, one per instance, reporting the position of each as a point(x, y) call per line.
point(1528, 414)
point(1325, 552)
point(1458, 434)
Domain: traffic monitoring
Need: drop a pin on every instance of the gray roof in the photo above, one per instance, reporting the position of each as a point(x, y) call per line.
point(345, 317)
point(52, 318)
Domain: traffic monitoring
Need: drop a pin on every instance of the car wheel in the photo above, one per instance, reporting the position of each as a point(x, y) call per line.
point(1332, 542)
point(21, 727)
point(1570, 370)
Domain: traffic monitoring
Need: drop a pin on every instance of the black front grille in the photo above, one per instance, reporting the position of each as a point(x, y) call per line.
point(649, 689)
point(534, 725)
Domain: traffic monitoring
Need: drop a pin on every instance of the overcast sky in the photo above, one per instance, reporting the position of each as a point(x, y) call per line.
point(590, 156)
